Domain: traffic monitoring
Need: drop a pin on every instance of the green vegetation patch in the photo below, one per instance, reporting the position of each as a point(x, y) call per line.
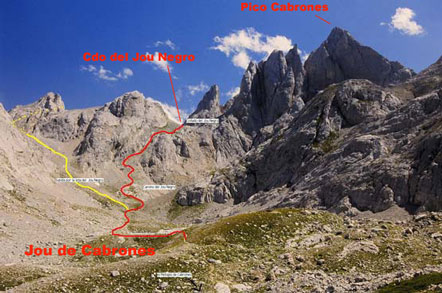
point(415, 284)
point(11, 276)
point(327, 145)
point(177, 210)
point(139, 277)
point(112, 241)
point(258, 228)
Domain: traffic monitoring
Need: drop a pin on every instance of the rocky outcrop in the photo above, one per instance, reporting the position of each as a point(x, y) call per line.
point(111, 129)
point(353, 145)
point(426, 177)
point(48, 104)
point(341, 57)
point(125, 125)
point(64, 126)
point(229, 140)
point(268, 90)
point(47, 117)
point(428, 80)
point(293, 150)
point(209, 106)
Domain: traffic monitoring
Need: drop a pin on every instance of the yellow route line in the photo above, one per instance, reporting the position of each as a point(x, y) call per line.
point(65, 160)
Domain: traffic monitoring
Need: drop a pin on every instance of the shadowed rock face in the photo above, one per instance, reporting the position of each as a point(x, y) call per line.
point(353, 145)
point(209, 106)
point(297, 146)
point(426, 81)
point(341, 57)
point(268, 90)
point(426, 177)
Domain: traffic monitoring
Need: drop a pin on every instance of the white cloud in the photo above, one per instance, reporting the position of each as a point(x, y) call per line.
point(171, 111)
point(242, 59)
point(233, 92)
point(167, 43)
point(403, 21)
point(157, 64)
point(243, 42)
point(201, 87)
point(89, 68)
point(105, 74)
point(278, 42)
point(127, 72)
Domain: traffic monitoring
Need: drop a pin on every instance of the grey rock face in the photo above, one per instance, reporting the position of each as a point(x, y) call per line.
point(428, 80)
point(229, 140)
point(209, 106)
point(426, 177)
point(66, 125)
point(114, 123)
point(341, 57)
point(286, 158)
point(268, 90)
point(125, 125)
point(130, 104)
point(359, 101)
point(350, 146)
point(48, 104)
point(47, 117)
point(52, 102)
point(200, 193)
point(294, 62)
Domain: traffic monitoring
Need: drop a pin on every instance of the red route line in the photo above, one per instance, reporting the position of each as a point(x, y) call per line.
point(323, 19)
point(138, 199)
point(132, 181)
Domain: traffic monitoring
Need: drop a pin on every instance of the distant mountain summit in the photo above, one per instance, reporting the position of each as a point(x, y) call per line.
point(341, 57)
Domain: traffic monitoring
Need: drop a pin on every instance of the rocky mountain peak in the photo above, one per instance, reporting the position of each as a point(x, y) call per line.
point(49, 104)
point(434, 69)
point(129, 104)
point(341, 57)
point(209, 106)
point(293, 60)
point(52, 102)
point(338, 34)
point(268, 90)
point(274, 70)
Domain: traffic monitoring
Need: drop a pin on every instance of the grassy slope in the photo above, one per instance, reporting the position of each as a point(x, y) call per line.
point(249, 246)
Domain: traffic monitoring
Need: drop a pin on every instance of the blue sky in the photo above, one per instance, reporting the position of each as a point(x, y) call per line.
point(42, 43)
